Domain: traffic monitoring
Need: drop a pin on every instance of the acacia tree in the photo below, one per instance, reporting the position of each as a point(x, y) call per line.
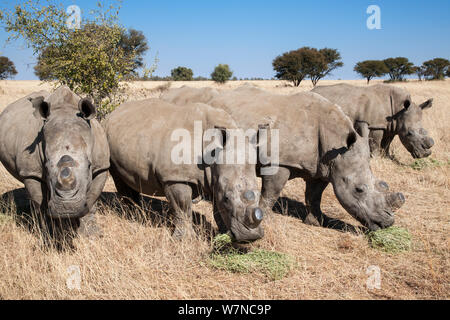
point(91, 60)
point(7, 68)
point(420, 71)
point(290, 66)
point(298, 64)
point(370, 69)
point(437, 68)
point(323, 63)
point(398, 68)
point(182, 74)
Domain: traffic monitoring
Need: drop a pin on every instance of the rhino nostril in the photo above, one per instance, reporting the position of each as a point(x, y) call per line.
point(258, 215)
point(383, 185)
point(249, 195)
point(65, 173)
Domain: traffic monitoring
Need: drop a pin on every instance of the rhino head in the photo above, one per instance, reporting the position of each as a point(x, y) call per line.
point(67, 149)
point(410, 131)
point(236, 194)
point(366, 198)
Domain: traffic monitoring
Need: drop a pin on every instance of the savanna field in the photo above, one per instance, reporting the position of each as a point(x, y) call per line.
point(137, 258)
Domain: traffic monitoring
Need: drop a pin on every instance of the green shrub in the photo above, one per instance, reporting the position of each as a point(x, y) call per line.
point(221, 73)
point(182, 74)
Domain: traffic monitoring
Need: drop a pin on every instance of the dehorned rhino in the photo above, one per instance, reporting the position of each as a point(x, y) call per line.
point(144, 138)
point(53, 144)
point(388, 110)
point(317, 142)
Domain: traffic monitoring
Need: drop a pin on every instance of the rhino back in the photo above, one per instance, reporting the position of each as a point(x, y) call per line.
point(303, 122)
point(20, 138)
point(370, 104)
point(139, 134)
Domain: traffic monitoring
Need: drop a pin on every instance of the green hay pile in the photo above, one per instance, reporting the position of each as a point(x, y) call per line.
point(391, 240)
point(272, 264)
point(420, 164)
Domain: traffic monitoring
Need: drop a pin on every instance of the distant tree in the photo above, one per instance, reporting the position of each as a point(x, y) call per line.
point(182, 74)
point(437, 68)
point(291, 66)
point(398, 68)
point(321, 67)
point(371, 69)
point(7, 68)
point(420, 71)
point(447, 74)
point(221, 73)
point(298, 64)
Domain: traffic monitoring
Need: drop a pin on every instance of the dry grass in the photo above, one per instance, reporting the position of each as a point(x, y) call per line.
point(137, 258)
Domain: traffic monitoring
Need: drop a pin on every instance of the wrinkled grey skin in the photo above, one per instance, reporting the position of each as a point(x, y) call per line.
point(317, 143)
point(139, 134)
point(388, 110)
point(53, 144)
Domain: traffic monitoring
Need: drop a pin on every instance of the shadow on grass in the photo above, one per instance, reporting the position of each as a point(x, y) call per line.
point(153, 211)
point(54, 233)
point(296, 209)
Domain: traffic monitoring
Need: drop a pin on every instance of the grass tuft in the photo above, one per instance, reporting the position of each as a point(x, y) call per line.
point(391, 240)
point(420, 164)
point(274, 265)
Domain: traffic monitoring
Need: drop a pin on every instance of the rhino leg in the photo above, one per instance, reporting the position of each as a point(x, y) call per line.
point(37, 193)
point(313, 197)
point(219, 221)
point(272, 186)
point(375, 138)
point(180, 199)
point(130, 196)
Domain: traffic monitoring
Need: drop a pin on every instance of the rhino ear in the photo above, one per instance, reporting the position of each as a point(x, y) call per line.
point(351, 139)
point(362, 128)
point(42, 108)
point(427, 104)
point(87, 109)
point(406, 104)
point(223, 131)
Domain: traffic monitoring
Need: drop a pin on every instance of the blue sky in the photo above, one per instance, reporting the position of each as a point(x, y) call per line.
point(249, 34)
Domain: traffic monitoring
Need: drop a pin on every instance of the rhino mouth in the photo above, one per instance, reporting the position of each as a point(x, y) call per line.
point(243, 234)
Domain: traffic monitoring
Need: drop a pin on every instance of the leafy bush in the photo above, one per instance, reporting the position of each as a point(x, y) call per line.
point(91, 60)
point(7, 68)
point(221, 73)
point(182, 74)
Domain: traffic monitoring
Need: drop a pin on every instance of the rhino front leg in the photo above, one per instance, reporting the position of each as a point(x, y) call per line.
point(272, 186)
point(180, 199)
point(36, 193)
point(88, 223)
point(313, 197)
point(130, 196)
point(375, 138)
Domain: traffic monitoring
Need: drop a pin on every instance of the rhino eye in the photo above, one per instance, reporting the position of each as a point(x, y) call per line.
point(361, 189)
